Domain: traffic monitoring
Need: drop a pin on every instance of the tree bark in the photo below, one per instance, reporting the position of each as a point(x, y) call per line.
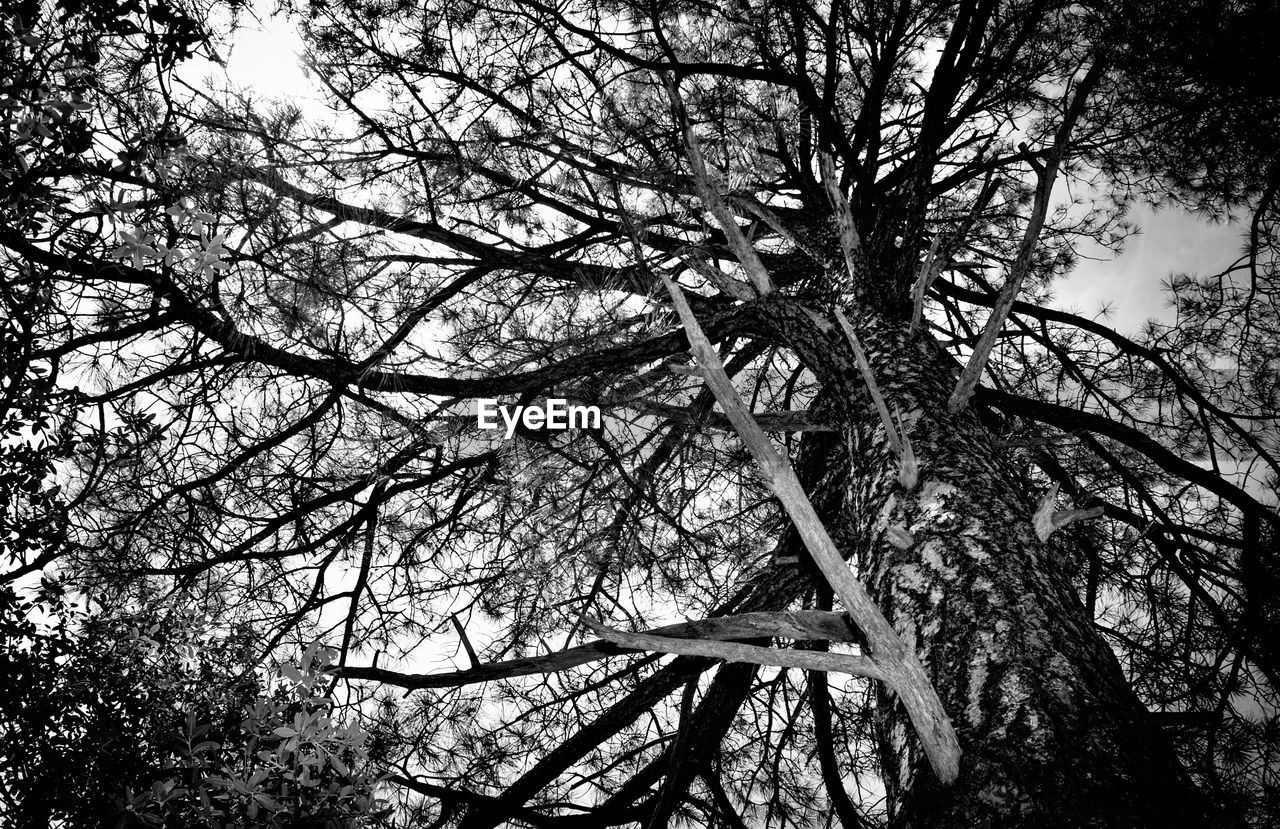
point(1052, 734)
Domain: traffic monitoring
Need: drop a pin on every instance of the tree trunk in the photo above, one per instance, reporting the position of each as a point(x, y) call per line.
point(1053, 736)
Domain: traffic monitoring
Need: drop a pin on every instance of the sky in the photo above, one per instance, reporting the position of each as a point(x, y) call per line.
point(1171, 241)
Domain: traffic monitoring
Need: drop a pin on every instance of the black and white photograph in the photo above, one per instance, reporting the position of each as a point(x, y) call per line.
point(654, 414)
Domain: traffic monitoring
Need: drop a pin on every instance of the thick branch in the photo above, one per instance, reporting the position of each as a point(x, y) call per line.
point(742, 249)
point(802, 625)
point(900, 667)
point(735, 652)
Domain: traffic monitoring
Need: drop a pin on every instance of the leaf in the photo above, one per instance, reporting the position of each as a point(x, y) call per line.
point(308, 655)
point(267, 801)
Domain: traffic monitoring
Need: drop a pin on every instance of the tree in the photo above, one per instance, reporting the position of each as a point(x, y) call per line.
point(143, 712)
point(1067, 526)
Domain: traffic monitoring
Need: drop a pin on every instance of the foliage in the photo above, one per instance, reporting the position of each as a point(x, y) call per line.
point(32, 506)
point(110, 724)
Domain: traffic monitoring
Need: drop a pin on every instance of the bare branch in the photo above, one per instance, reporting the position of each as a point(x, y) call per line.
point(900, 667)
point(876, 397)
point(928, 273)
point(734, 652)
point(725, 283)
point(908, 467)
point(850, 241)
point(742, 249)
point(1046, 175)
point(762, 212)
point(800, 624)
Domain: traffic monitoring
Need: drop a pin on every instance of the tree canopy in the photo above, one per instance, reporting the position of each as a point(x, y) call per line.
point(245, 341)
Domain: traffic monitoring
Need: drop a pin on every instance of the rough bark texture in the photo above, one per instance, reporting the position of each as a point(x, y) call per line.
point(1052, 734)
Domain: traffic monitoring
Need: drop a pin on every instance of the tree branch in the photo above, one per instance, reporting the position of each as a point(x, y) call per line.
point(742, 249)
point(898, 665)
point(908, 468)
point(1046, 176)
point(736, 652)
point(801, 625)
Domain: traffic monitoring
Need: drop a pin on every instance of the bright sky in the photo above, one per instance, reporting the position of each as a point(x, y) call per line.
point(1171, 241)
point(267, 57)
point(263, 55)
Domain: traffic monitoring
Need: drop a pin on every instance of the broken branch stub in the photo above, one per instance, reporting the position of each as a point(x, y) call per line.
point(908, 467)
point(1047, 520)
point(865, 367)
point(928, 272)
point(723, 282)
point(899, 536)
point(850, 241)
point(898, 665)
point(760, 211)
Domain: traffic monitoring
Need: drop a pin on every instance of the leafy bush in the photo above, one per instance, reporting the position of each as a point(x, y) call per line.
point(112, 724)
